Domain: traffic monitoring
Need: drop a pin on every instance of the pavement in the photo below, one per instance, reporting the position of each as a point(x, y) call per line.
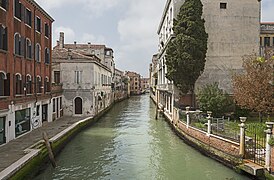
point(14, 150)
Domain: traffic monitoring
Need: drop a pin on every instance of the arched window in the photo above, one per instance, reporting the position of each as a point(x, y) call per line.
point(47, 84)
point(47, 58)
point(78, 106)
point(18, 84)
point(3, 37)
point(17, 44)
point(28, 48)
point(38, 52)
point(28, 84)
point(39, 84)
point(3, 77)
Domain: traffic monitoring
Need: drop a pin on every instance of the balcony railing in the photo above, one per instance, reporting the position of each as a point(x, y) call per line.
point(57, 88)
point(165, 87)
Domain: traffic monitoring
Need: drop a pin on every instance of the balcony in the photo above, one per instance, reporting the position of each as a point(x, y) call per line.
point(165, 87)
point(57, 88)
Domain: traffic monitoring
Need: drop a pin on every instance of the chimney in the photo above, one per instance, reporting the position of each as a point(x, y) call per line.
point(62, 40)
point(58, 43)
point(75, 44)
point(89, 44)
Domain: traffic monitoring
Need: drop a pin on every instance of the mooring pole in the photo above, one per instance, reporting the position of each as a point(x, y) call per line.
point(156, 115)
point(51, 155)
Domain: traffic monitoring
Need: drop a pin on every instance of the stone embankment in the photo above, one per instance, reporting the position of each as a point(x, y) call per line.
point(22, 158)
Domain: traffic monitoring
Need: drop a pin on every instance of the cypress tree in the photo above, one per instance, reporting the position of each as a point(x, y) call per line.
point(186, 53)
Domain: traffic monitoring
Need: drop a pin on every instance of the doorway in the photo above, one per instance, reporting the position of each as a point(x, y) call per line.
point(78, 107)
point(44, 112)
point(2, 130)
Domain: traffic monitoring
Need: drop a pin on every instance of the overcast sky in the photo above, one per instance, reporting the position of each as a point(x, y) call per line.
point(129, 27)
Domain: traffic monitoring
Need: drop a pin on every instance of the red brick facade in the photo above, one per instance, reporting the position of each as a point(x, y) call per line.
point(11, 64)
point(218, 143)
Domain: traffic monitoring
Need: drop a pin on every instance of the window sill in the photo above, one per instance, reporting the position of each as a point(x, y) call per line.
point(47, 93)
point(3, 51)
point(19, 95)
point(29, 26)
point(29, 59)
point(19, 56)
point(3, 9)
point(37, 32)
point(46, 37)
point(4, 97)
point(17, 19)
point(29, 94)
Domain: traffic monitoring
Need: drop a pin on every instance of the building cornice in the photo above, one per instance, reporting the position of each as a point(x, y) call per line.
point(40, 9)
point(163, 16)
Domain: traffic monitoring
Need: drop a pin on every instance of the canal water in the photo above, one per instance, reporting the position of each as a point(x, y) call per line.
point(128, 143)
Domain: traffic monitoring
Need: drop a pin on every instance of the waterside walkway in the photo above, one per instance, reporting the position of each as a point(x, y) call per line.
point(15, 153)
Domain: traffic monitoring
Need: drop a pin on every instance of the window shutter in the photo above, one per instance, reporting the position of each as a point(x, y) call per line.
point(1, 37)
point(23, 11)
point(23, 84)
point(23, 46)
point(5, 39)
point(14, 84)
point(7, 85)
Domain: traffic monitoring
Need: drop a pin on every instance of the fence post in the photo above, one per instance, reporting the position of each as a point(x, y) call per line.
point(268, 131)
point(187, 116)
point(208, 123)
point(242, 136)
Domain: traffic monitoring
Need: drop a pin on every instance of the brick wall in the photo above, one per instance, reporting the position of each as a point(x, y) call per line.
point(212, 141)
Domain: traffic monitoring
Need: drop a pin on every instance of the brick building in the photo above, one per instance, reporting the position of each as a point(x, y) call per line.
point(25, 67)
point(135, 82)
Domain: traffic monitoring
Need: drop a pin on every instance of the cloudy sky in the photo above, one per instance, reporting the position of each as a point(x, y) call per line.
point(127, 26)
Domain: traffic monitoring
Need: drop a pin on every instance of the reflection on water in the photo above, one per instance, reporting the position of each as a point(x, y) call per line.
point(128, 143)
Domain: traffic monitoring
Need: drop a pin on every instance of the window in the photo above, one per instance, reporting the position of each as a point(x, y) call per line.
point(273, 41)
point(28, 48)
point(266, 41)
point(46, 30)
point(3, 38)
point(39, 84)
point(53, 108)
point(17, 9)
point(4, 4)
point(28, 84)
point(38, 52)
point(223, 5)
point(17, 44)
point(38, 110)
point(22, 122)
point(60, 102)
point(47, 59)
point(18, 84)
point(78, 77)
point(260, 41)
point(4, 84)
point(47, 84)
point(38, 24)
point(28, 17)
point(57, 77)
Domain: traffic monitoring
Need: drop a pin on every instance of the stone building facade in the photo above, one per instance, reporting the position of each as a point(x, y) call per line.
point(86, 82)
point(153, 75)
point(266, 38)
point(25, 68)
point(105, 54)
point(233, 31)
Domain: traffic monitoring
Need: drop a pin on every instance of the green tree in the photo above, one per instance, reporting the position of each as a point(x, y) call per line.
point(186, 53)
point(212, 98)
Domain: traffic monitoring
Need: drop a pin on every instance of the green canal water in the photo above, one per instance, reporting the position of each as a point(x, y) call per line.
point(128, 143)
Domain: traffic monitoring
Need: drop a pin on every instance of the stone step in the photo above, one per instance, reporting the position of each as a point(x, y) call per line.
point(252, 168)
